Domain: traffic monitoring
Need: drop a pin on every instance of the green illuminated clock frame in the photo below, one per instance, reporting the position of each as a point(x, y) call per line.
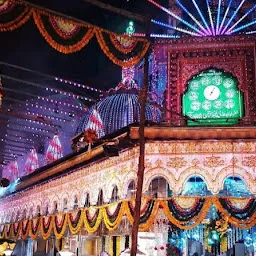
point(213, 98)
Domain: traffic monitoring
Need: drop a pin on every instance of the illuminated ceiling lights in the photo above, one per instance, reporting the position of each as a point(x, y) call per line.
point(222, 21)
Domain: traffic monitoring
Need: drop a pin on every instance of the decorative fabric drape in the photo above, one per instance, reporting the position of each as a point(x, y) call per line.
point(69, 36)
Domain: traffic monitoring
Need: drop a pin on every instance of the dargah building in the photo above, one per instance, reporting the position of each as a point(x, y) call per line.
point(200, 154)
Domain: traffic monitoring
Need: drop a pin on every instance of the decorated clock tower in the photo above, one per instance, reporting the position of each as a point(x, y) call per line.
point(209, 81)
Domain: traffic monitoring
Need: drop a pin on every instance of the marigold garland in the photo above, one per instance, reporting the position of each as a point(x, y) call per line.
point(16, 230)
point(59, 229)
point(244, 224)
point(34, 229)
point(25, 230)
point(76, 227)
point(18, 21)
point(143, 227)
point(119, 46)
point(8, 231)
point(2, 232)
point(76, 40)
point(96, 225)
point(186, 225)
point(123, 63)
point(47, 231)
point(112, 225)
point(127, 211)
point(66, 49)
point(113, 219)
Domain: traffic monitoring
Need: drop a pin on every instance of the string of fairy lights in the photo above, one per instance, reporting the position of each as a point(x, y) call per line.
point(42, 111)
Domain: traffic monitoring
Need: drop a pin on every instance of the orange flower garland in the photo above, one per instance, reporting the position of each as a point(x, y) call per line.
point(61, 48)
point(79, 224)
point(18, 21)
point(96, 215)
point(123, 63)
point(50, 222)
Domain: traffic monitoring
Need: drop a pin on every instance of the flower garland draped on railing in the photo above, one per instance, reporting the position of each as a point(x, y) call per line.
point(68, 36)
point(184, 212)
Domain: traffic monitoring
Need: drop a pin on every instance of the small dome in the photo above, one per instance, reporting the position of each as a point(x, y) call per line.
point(119, 110)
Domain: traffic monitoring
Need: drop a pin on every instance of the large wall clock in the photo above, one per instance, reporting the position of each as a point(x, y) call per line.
point(213, 98)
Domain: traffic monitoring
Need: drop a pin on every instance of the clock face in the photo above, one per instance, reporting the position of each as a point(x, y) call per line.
point(213, 98)
point(211, 92)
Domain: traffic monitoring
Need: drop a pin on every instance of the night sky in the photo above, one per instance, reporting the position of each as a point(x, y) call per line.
point(26, 46)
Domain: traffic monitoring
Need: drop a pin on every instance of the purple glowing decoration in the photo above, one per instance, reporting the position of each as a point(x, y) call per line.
point(54, 151)
point(12, 171)
point(222, 18)
point(31, 163)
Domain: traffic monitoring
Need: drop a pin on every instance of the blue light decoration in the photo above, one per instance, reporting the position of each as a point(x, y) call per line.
point(202, 17)
point(232, 17)
point(191, 16)
point(243, 17)
point(218, 17)
point(210, 16)
point(243, 27)
point(176, 17)
point(218, 21)
point(156, 35)
point(175, 28)
point(225, 16)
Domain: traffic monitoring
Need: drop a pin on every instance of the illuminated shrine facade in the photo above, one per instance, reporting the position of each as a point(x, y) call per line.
point(179, 63)
point(176, 162)
point(206, 88)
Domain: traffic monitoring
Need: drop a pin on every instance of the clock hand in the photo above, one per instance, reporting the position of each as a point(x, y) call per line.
point(212, 91)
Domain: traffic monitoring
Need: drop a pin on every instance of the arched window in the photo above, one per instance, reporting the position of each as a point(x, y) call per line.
point(46, 211)
point(65, 204)
point(235, 186)
point(75, 203)
point(24, 214)
point(17, 216)
point(55, 207)
point(195, 186)
point(131, 191)
point(114, 196)
point(38, 211)
point(30, 215)
point(158, 188)
point(87, 200)
point(100, 198)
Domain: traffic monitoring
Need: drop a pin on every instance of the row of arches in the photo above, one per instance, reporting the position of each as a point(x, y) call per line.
point(158, 188)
